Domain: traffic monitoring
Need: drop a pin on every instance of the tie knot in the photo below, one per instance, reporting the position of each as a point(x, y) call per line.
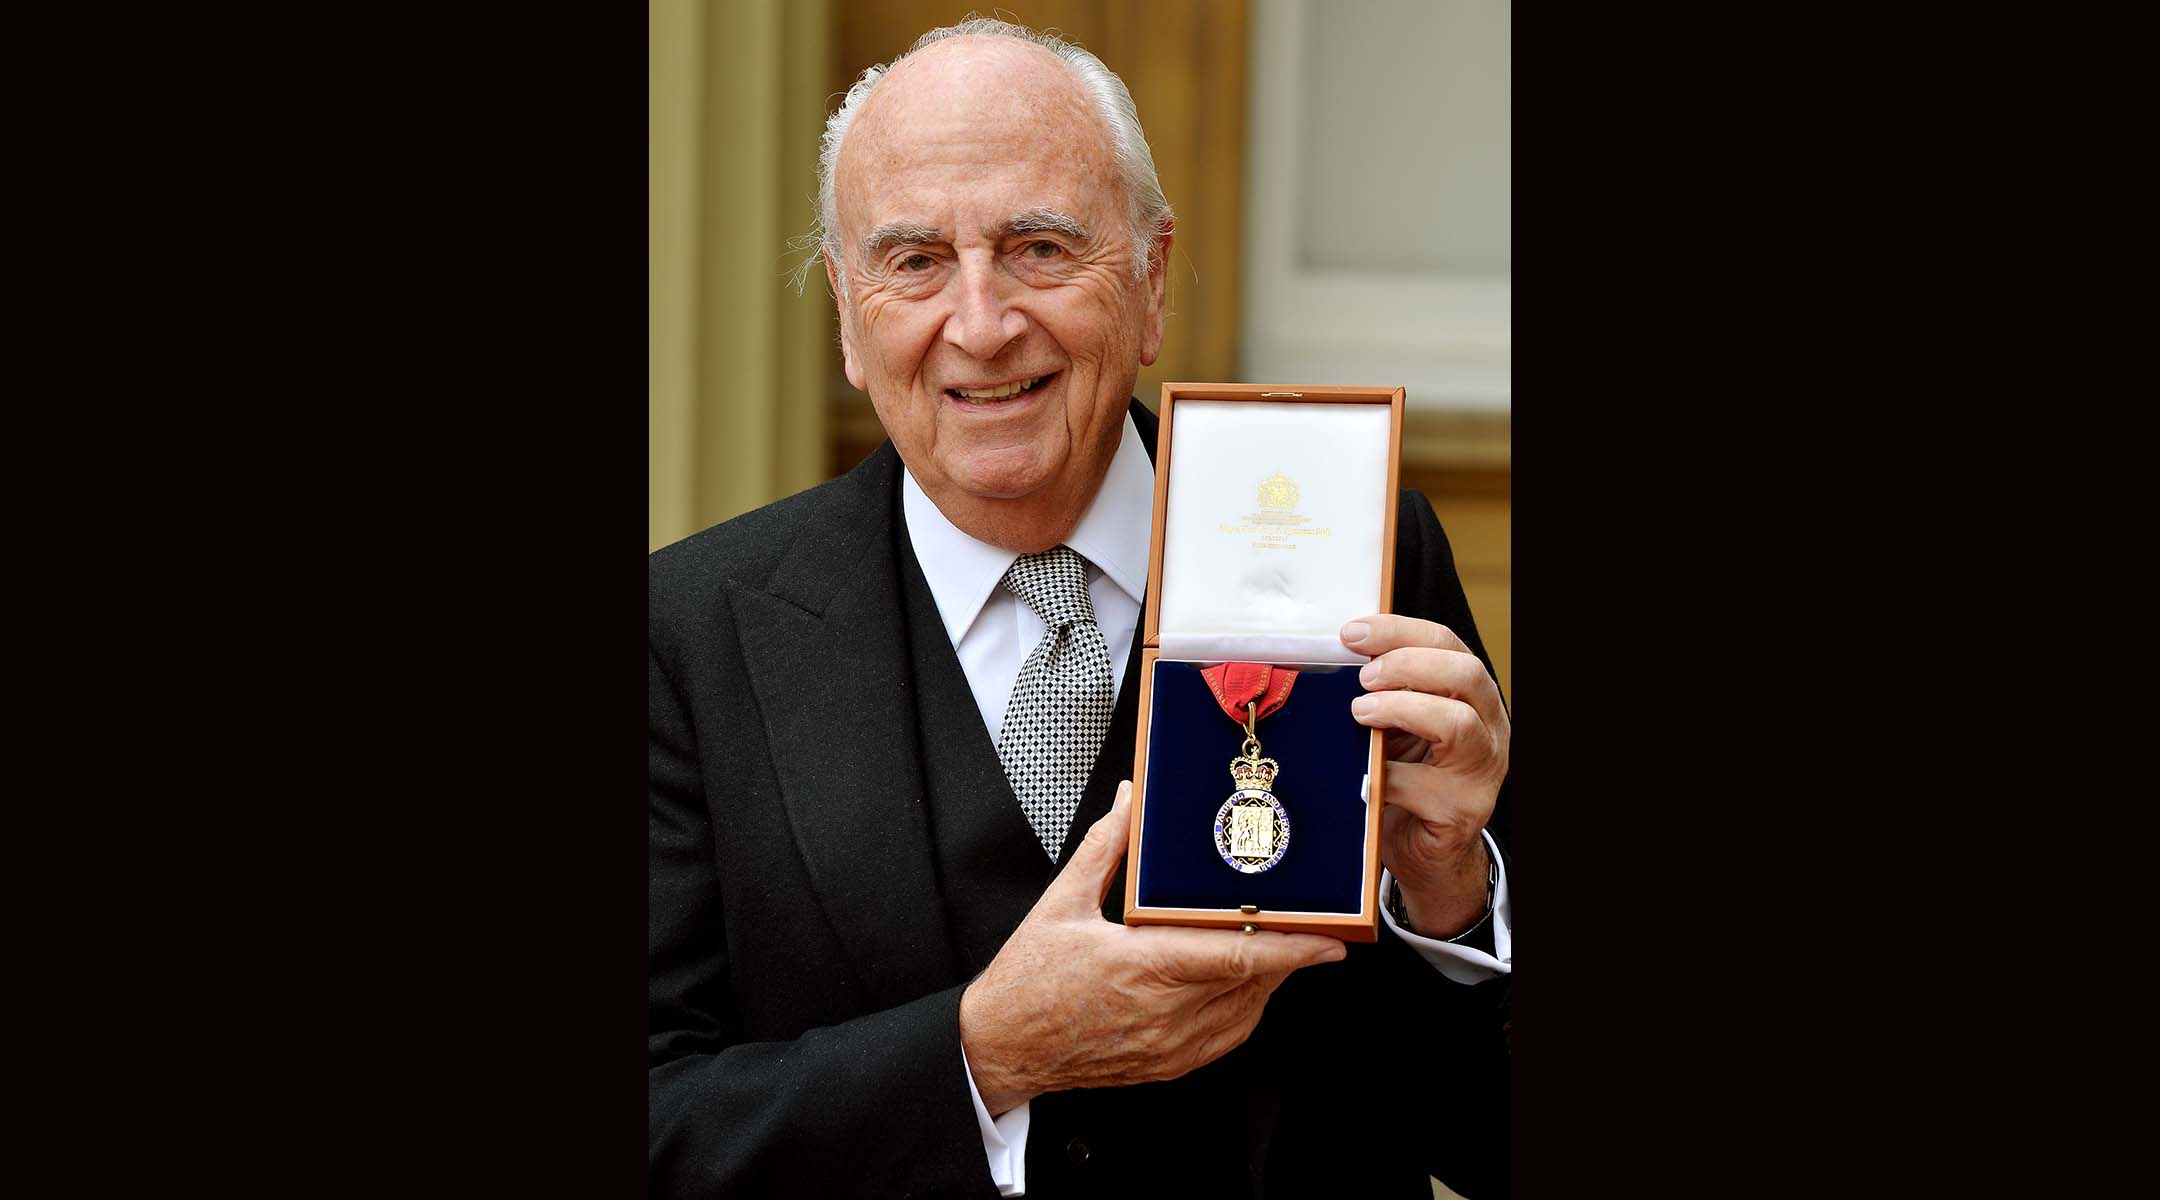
point(1054, 585)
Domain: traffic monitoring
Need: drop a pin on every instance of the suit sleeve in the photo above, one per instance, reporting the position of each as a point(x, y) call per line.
point(1467, 1129)
point(878, 1105)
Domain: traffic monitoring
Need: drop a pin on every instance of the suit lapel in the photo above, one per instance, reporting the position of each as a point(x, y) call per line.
point(846, 688)
point(991, 867)
point(827, 653)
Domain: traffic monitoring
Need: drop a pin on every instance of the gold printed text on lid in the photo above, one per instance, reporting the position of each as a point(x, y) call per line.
point(1277, 523)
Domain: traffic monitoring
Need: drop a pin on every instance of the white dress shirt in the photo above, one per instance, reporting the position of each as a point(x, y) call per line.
point(993, 631)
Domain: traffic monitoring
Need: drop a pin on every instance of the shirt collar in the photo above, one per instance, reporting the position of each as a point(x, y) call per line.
point(963, 572)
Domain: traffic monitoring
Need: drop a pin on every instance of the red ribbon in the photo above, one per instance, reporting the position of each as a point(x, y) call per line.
point(1237, 684)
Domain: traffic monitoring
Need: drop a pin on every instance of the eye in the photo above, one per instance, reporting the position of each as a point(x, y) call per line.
point(1043, 250)
point(915, 262)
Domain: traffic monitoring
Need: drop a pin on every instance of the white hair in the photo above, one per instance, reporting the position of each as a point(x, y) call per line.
point(1147, 209)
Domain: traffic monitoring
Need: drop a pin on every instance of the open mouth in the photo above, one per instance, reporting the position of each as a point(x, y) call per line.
point(1004, 391)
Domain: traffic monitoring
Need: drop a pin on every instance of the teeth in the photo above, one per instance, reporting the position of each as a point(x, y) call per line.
point(997, 393)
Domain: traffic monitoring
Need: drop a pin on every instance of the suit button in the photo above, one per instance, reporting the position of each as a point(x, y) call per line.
point(1077, 1150)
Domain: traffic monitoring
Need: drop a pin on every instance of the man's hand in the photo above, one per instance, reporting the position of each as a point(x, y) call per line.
point(1447, 748)
point(1075, 1001)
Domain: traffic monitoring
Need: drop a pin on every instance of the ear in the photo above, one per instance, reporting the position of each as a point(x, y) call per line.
point(847, 343)
point(1158, 279)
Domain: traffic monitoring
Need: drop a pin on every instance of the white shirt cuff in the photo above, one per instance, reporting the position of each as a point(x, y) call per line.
point(1463, 964)
point(1004, 1140)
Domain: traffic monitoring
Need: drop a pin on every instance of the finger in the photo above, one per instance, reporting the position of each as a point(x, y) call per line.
point(1189, 955)
point(1437, 672)
point(1227, 1020)
point(1455, 736)
point(1271, 953)
point(1236, 1010)
point(1085, 878)
point(1269, 981)
point(1452, 806)
point(1382, 632)
point(1398, 746)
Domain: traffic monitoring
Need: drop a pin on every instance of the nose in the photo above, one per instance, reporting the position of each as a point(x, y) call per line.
point(983, 319)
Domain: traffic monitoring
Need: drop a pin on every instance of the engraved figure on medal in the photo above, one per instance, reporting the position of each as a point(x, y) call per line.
point(1252, 829)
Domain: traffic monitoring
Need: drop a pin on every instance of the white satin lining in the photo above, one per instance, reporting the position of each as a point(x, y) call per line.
point(1287, 648)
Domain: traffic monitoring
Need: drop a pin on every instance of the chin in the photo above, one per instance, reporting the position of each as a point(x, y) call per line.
point(1003, 485)
point(1006, 473)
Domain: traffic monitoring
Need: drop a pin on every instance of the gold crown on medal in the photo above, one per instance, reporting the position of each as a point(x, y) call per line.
point(1257, 773)
point(1278, 491)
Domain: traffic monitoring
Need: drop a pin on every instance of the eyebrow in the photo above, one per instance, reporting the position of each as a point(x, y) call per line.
point(1044, 220)
point(1034, 220)
point(898, 233)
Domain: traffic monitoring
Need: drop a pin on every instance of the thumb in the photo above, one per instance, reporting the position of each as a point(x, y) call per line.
point(1085, 878)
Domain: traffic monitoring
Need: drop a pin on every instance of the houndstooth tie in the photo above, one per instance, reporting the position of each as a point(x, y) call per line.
point(1059, 711)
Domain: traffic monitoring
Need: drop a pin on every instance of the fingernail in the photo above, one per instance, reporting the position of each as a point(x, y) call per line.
point(1364, 706)
point(1337, 954)
point(1369, 674)
point(1355, 631)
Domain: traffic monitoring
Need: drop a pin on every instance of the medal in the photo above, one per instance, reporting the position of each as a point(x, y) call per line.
point(1252, 829)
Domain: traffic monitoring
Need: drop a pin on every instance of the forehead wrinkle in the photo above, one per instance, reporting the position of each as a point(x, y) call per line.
point(959, 105)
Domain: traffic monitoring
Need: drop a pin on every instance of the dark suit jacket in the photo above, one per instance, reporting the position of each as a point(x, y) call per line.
point(835, 853)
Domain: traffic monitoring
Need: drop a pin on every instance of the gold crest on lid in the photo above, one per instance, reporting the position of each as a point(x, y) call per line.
point(1278, 492)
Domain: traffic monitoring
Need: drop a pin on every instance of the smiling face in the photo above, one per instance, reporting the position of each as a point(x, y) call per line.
point(990, 303)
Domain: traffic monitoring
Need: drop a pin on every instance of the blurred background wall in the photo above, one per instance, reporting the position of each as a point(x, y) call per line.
point(1340, 171)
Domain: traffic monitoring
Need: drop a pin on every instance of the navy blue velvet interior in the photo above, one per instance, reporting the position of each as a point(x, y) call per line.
point(1323, 753)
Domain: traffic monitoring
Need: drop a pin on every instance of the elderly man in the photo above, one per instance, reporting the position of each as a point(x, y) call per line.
point(881, 961)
